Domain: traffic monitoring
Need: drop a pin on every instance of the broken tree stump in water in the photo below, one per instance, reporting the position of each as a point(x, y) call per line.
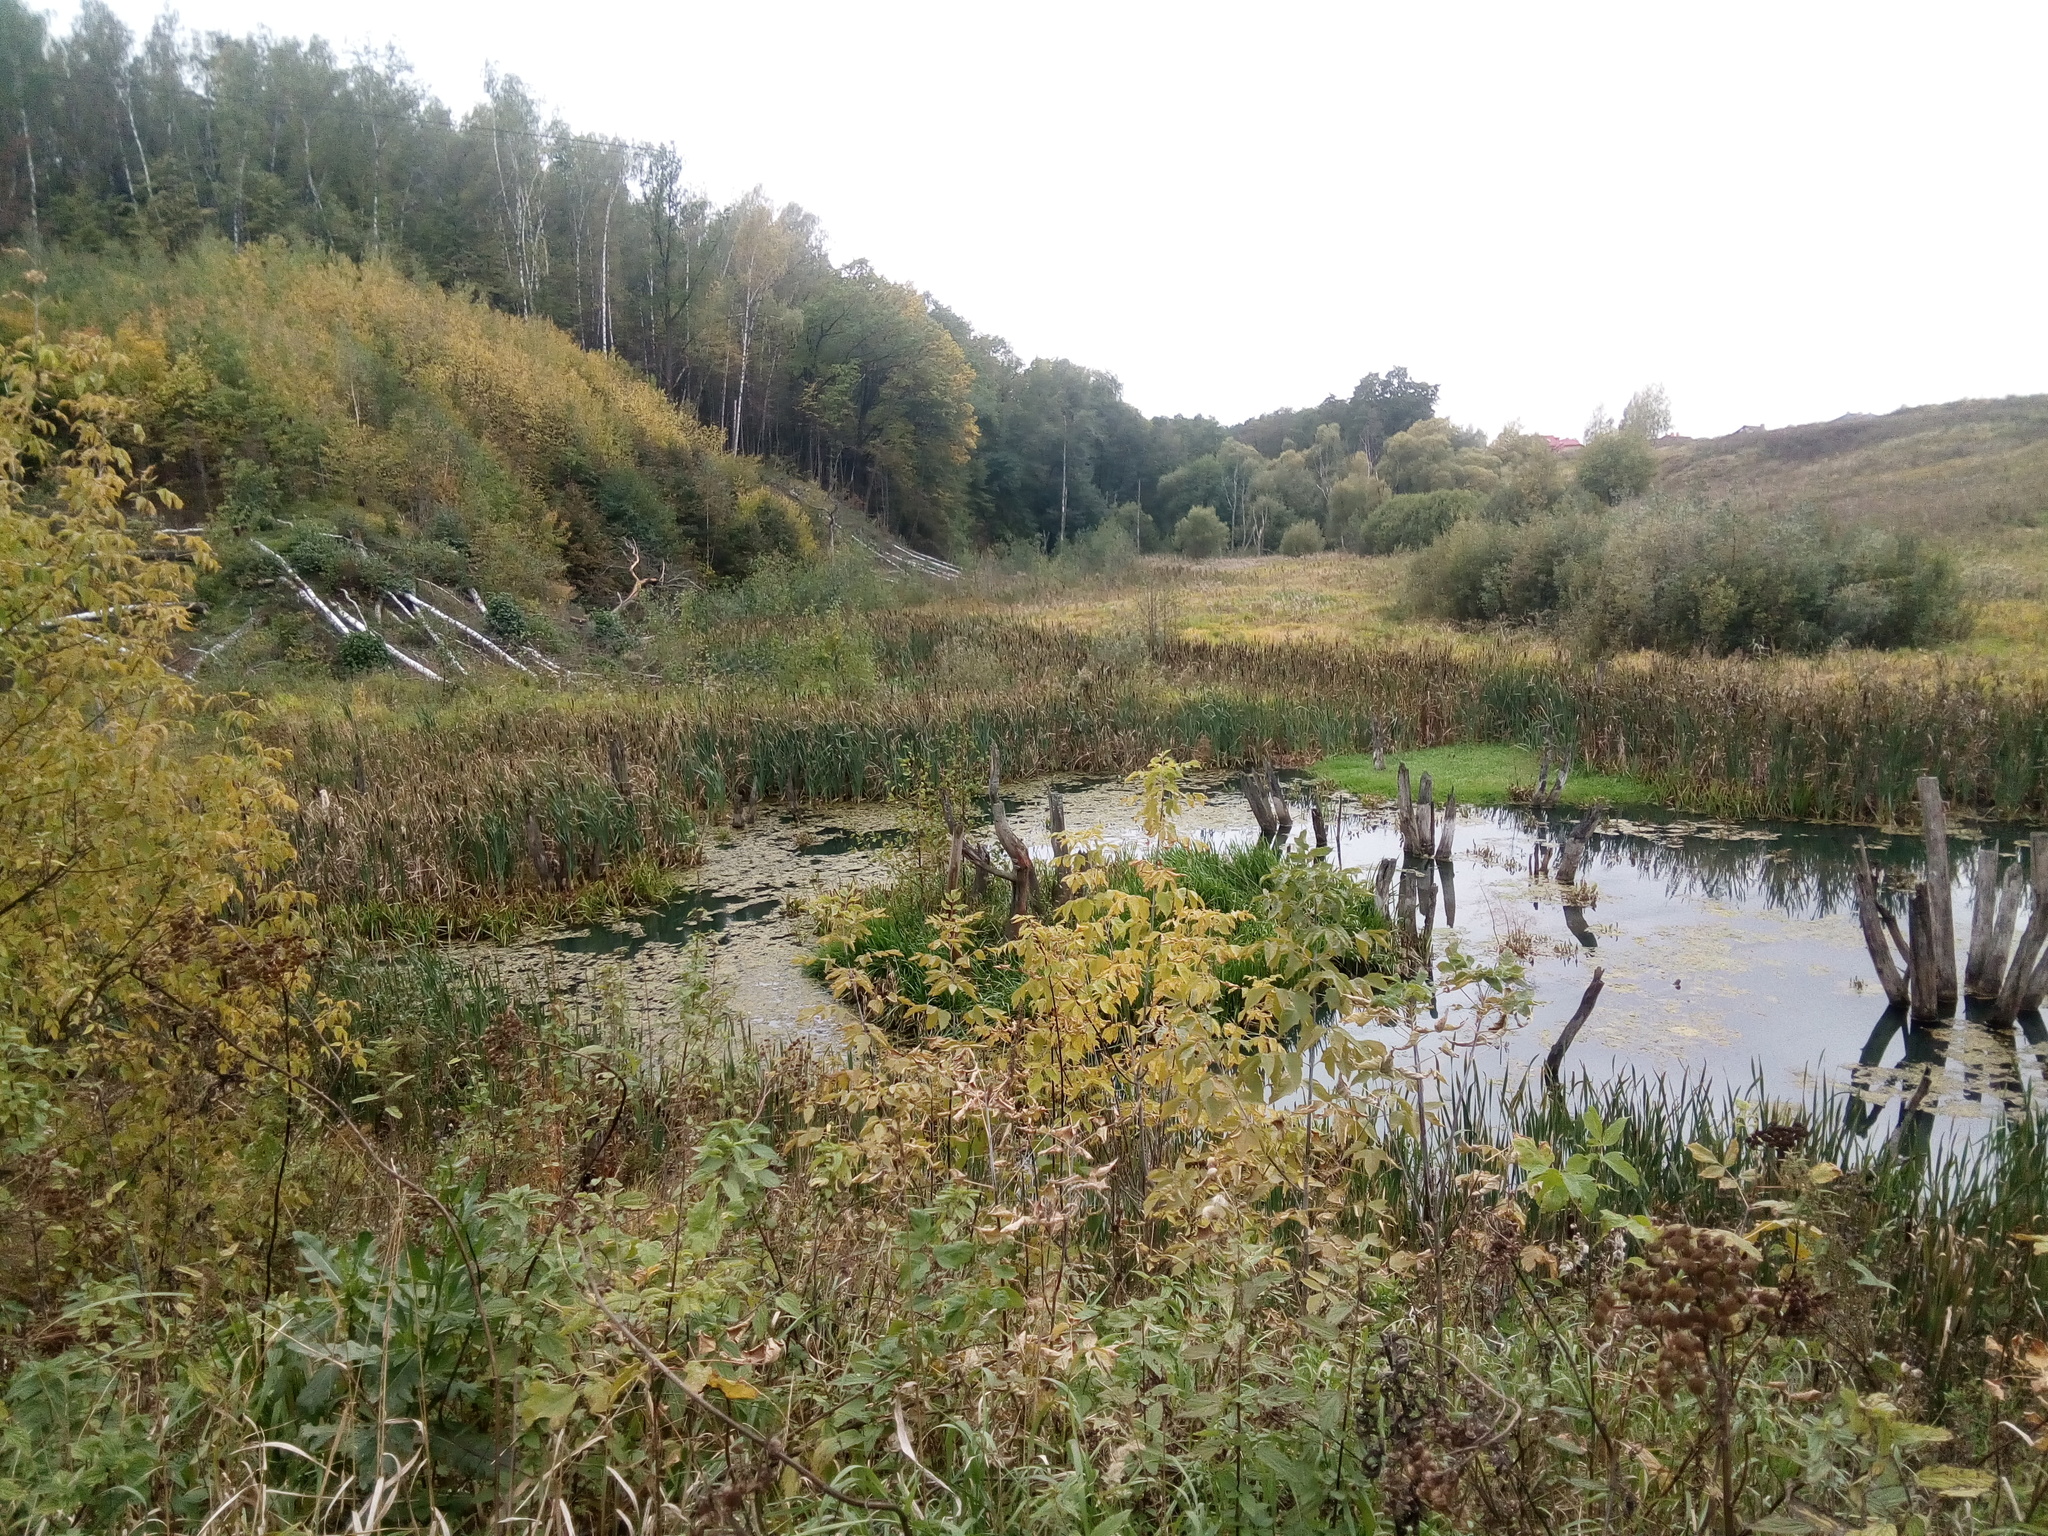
point(1870, 914)
point(2030, 954)
point(1021, 875)
point(1983, 915)
point(1056, 831)
point(1443, 841)
point(1383, 886)
point(1940, 896)
point(2010, 897)
point(1283, 816)
point(1317, 824)
point(1553, 1064)
point(1923, 975)
point(956, 839)
point(1262, 807)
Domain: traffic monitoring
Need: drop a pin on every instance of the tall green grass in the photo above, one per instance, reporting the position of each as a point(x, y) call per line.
point(431, 804)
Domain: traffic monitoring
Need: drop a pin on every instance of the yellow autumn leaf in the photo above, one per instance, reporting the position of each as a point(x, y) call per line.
point(1956, 1482)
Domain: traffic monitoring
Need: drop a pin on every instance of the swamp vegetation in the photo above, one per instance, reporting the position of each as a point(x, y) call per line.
point(368, 584)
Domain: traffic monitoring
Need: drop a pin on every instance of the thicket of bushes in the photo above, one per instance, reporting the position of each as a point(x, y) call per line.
point(372, 427)
point(1680, 577)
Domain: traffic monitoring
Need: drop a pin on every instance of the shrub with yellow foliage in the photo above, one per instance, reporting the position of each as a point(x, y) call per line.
point(150, 952)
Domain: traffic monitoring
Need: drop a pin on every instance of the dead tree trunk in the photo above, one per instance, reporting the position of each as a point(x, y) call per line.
point(1022, 876)
point(1404, 807)
point(2012, 895)
point(1383, 886)
point(1316, 822)
point(1940, 894)
point(1983, 915)
point(1056, 831)
point(1262, 808)
point(2030, 955)
point(1871, 916)
point(1923, 975)
point(1553, 1064)
point(956, 840)
point(1405, 913)
point(1443, 841)
point(1283, 817)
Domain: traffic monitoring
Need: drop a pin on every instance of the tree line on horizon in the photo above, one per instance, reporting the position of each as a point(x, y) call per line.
point(115, 144)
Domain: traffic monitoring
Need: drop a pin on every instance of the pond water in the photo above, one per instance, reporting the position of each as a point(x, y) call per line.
point(1730, 949)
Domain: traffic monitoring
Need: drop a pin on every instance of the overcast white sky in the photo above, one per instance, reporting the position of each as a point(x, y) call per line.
point(1781, 211)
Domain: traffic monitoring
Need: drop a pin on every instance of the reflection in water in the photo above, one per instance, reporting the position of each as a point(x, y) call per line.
point(1791, 867)
point(1728, 948)
point(1965, 1067)
point(1575, 920)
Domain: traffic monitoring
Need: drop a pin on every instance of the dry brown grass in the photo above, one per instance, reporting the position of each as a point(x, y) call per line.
point(1952, 471)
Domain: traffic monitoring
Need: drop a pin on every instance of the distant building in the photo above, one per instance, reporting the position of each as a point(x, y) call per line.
point(1562, 444)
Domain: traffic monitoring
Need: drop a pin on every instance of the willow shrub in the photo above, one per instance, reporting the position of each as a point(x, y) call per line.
point(1681, 577)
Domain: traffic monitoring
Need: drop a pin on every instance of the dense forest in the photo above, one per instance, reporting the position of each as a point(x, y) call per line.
point(872, 389)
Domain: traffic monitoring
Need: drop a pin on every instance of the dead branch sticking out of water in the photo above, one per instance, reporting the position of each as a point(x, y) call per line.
point(1553, 1064)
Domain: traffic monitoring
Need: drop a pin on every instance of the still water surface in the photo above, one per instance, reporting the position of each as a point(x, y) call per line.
point(1729, 948)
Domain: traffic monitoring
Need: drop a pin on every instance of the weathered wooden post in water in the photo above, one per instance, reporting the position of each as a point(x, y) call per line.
point(1262, 806)
point(1283, 817)
point(1021, 875)
point(1918, 969)
point(1941, 902)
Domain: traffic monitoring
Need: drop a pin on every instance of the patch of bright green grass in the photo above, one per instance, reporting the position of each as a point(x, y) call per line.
point(1479, 775)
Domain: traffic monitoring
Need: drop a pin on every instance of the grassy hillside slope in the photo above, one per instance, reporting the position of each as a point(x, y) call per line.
point(1971, 474)
point(1962, 468)
point(298, 397)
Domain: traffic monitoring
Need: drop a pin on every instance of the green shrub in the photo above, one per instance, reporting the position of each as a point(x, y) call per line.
point(312, 555)
point(1616, 466)
point(608, 631)
point(1415, 521)
point(1200, 534)
point(361, 653)
point(1353, 501)
point(507, 620)
point(1497, 571)
point(1104, 549)
point(1684, 578)
point(1681, 577)
point(1302, 538)
point(252, 491)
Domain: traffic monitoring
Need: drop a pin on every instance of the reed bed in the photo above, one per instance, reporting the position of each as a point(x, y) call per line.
point(508, 794)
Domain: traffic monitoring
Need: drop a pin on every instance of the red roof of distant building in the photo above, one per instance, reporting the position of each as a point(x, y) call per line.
point(1559, 444)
